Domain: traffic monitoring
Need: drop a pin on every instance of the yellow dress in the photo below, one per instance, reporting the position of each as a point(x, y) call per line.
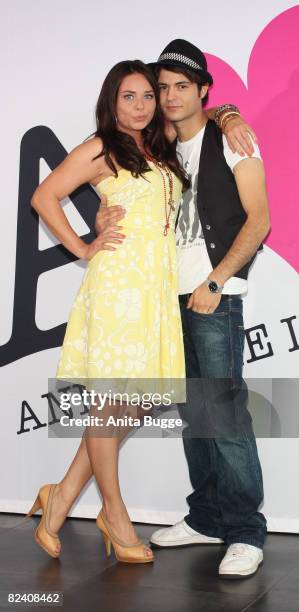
point(125, 320)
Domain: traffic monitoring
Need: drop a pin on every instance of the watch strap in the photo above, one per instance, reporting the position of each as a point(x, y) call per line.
point(219, 287)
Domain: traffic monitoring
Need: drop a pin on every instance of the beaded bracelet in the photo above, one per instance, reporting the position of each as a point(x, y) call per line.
point(221, 109)
point(227, 118)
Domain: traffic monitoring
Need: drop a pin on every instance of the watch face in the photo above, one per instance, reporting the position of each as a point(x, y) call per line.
point(213, 286)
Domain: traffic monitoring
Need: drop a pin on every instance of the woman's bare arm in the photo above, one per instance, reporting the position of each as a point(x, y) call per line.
point(75, 170)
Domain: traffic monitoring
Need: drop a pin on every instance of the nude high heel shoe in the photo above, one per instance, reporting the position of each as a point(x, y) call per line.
point(43, 534)
point(127, 553)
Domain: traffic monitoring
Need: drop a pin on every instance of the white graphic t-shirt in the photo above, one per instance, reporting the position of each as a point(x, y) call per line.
point(193, 260)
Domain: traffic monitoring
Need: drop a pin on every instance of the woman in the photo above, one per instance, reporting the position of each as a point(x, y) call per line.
point(125, 321)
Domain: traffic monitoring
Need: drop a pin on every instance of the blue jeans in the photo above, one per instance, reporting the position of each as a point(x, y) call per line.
point(219, 441)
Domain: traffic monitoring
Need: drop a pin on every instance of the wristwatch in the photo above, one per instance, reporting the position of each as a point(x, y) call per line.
point(213, 286)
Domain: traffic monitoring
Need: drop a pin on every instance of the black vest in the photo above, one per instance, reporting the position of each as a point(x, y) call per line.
point(218, 202)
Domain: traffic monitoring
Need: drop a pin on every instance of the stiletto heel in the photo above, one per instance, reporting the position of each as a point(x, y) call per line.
point(36, 506)
point(125, 552)
point(107, 544)
point(43, 534)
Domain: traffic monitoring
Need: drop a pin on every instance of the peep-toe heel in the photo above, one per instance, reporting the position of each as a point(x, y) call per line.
point(124, 551)
point(43, 534)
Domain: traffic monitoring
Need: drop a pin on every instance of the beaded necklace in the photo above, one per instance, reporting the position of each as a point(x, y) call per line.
point(163, 168)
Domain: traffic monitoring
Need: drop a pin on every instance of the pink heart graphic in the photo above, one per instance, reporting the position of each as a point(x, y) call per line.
point(270, 105)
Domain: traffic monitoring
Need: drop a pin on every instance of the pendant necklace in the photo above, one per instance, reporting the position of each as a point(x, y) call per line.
point(168, 202)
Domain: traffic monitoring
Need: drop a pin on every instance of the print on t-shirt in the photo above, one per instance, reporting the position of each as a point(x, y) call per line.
point(189, 231)
point(189, 227)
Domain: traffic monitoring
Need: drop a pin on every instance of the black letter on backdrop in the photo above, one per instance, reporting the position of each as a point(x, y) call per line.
point(26, 337)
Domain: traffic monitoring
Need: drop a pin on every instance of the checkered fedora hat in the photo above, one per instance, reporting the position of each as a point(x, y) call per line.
point(183, 54)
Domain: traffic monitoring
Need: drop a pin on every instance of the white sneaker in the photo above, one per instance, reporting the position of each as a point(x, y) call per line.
point(240, 560)
point(180, 534)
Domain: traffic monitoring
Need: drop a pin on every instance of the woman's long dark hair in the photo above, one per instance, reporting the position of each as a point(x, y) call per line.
point(121, 145)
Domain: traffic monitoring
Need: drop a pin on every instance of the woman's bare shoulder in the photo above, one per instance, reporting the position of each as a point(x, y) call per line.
point(90, 148)
point(84, 155)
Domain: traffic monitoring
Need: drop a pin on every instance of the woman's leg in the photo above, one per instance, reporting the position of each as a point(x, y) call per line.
point(71, 485)
point(98, 456)
point(103, 455)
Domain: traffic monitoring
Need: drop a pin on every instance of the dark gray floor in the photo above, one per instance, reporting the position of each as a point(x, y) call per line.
point(180, 579)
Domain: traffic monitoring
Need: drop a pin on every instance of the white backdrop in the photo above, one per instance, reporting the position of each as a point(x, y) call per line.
point(54, 57)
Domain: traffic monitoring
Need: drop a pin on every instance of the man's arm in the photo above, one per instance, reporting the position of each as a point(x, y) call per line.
point(237, 133)
point(236, 130)
point(250, 180)
point(107, 217)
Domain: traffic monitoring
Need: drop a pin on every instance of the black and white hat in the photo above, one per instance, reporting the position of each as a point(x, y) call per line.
point(182, 53)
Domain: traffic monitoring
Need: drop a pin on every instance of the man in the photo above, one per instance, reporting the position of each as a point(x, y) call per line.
point(222, 222)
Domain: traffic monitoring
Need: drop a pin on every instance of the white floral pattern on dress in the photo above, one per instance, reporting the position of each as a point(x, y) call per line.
point(125, 320)
point(128, 304)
